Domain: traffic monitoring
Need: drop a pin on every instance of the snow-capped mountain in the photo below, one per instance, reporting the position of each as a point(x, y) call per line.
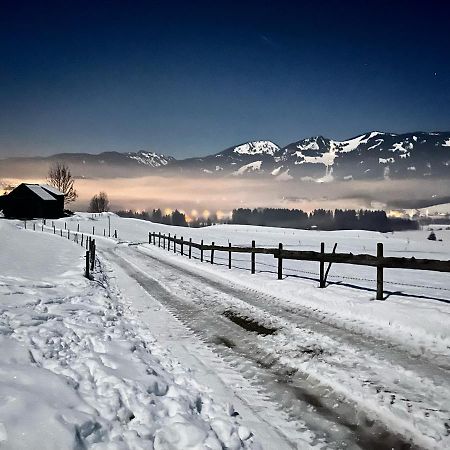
point(243, 159)
point(373, 155)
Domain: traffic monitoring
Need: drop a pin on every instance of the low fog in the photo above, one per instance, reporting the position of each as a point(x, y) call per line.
point(194, 195)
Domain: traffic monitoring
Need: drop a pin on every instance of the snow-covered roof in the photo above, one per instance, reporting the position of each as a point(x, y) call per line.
point(39, 191)
point(51, 189)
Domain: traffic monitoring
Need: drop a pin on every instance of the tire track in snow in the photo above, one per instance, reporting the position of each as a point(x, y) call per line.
point(245, 347)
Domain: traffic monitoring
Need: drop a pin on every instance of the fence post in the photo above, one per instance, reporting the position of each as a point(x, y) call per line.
point(379, 272)
point(34, 226)
point(149, 238)
point(229, 255)
point(190, 248)
point(159, 239)
point(322, 265)
point(212, 253)
point(54, 229)
point(201, 251)
point(65, 225)
point(115, 234)
point(174, 243)
point(93, 231)
point(164, 241)
point(61, 231)
point(280, 261)
point(86, 271)
point(168, 243)
point(253, 256)
point(104, 232)
point(182, 246)
point(93, 255)
point(78, 227)
point(68, 234)
point(82, 239)
point(42, 229)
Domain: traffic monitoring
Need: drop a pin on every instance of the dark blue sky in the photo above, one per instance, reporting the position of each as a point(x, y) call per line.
point(191, 78)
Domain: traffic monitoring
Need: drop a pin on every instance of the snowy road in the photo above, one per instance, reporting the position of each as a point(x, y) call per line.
point(324, 382)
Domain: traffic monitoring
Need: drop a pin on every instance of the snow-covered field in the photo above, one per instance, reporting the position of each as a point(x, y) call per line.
point(77, 370)
point(162, 350)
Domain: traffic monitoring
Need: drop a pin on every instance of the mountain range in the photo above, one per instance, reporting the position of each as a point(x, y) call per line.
point(370, 156)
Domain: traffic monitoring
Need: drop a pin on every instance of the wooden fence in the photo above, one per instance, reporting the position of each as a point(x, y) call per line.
point(379, 261)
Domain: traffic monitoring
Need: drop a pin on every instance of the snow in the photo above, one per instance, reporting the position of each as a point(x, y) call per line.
point(284, 176)
point(77, 369)
point(51, 189)
point(40, 192)
point(335, 148)
point(328, 177)
point(413, 243)
point(149, 158)
point(352, 144)
point(248, 168)
point(370, 136)
point(277, 171)
point(446, 143)
point(311, 146)
point(390, 359)
point(378, 142)
point(399, 147)
point(257, 148)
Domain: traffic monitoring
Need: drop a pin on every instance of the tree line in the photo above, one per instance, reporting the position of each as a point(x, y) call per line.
point(176, 217)
point(322, 219)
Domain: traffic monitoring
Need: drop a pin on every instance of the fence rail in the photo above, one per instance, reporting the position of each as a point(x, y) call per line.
point(380, 262)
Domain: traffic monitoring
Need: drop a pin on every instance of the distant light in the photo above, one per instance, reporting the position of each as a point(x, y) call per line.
point(206, 214)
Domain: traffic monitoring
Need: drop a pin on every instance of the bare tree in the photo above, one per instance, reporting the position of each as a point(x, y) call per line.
point(59, 176)
point(99, 203)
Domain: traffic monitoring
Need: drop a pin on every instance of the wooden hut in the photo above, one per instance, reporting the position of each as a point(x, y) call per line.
point(28, 201)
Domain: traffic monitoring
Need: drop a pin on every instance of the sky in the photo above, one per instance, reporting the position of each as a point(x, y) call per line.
point(193, 78)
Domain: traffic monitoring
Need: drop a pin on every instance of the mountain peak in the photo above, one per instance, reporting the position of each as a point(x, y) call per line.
point(257, 148)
